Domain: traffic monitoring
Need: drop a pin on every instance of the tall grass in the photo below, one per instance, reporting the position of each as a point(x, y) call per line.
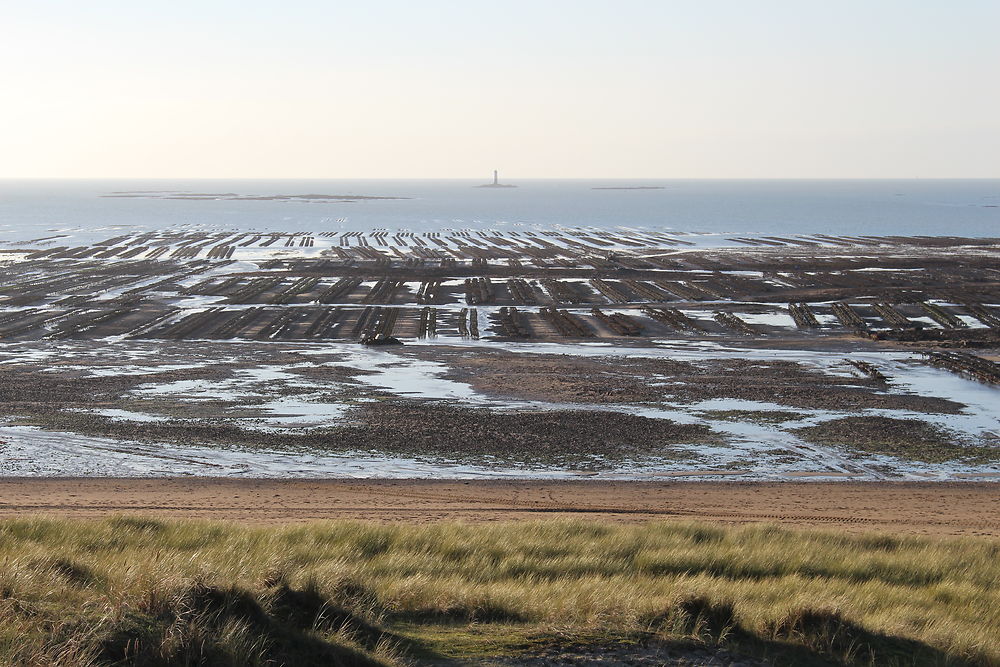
point(143, 591)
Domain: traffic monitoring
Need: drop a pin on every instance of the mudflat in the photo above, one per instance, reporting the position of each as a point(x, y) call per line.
point(939, 509)
point(570, 353)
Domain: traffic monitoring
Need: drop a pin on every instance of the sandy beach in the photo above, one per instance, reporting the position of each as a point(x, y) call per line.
point(903, 508)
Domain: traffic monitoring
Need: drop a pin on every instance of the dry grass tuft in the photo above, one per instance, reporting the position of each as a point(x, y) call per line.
point(132, 590)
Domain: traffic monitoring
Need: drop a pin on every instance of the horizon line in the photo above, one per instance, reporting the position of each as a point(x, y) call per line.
point(476, 179)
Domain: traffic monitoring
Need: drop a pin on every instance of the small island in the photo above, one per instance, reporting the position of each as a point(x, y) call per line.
point(496, 182)
point(630, 187)
point(232, 196)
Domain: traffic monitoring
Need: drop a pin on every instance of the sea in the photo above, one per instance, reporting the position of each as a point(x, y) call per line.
point(707, 210)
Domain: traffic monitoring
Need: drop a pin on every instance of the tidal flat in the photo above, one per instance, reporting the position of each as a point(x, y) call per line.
point(611, 354)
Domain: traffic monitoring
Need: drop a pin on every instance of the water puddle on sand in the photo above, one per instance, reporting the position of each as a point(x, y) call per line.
point(31, 452)
point(262, 387)
point(777, 318)
point(196, 302)
point(404, 376)
point(303, 411)
point(127, 415)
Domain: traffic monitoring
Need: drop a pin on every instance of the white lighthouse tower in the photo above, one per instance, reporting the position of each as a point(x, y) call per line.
point(496, 182)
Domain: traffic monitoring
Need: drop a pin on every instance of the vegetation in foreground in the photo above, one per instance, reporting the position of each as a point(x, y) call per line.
point(133, 590)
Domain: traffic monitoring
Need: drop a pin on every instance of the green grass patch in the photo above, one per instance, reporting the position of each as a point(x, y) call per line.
point(134, 590)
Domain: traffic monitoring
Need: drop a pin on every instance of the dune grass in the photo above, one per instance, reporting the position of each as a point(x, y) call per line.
point(132, 590)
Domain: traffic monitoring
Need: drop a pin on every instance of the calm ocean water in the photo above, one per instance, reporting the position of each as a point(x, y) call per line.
point(30, 209)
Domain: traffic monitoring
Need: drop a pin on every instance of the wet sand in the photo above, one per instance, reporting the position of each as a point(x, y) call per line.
point(534, 354)
point(940, 509)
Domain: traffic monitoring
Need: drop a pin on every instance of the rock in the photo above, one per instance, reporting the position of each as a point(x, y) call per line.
point(380, 339)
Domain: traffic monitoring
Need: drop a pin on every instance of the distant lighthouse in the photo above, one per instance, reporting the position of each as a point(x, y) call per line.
point(496, 182)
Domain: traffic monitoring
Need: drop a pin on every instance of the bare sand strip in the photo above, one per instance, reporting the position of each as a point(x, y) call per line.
point(912, 508)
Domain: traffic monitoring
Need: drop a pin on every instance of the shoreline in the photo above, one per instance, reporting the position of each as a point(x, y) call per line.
point(915, 508)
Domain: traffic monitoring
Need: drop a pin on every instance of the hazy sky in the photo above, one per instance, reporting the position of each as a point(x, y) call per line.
point(545, 88)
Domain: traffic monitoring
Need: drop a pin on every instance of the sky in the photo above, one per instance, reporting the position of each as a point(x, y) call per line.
point(539, 89)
